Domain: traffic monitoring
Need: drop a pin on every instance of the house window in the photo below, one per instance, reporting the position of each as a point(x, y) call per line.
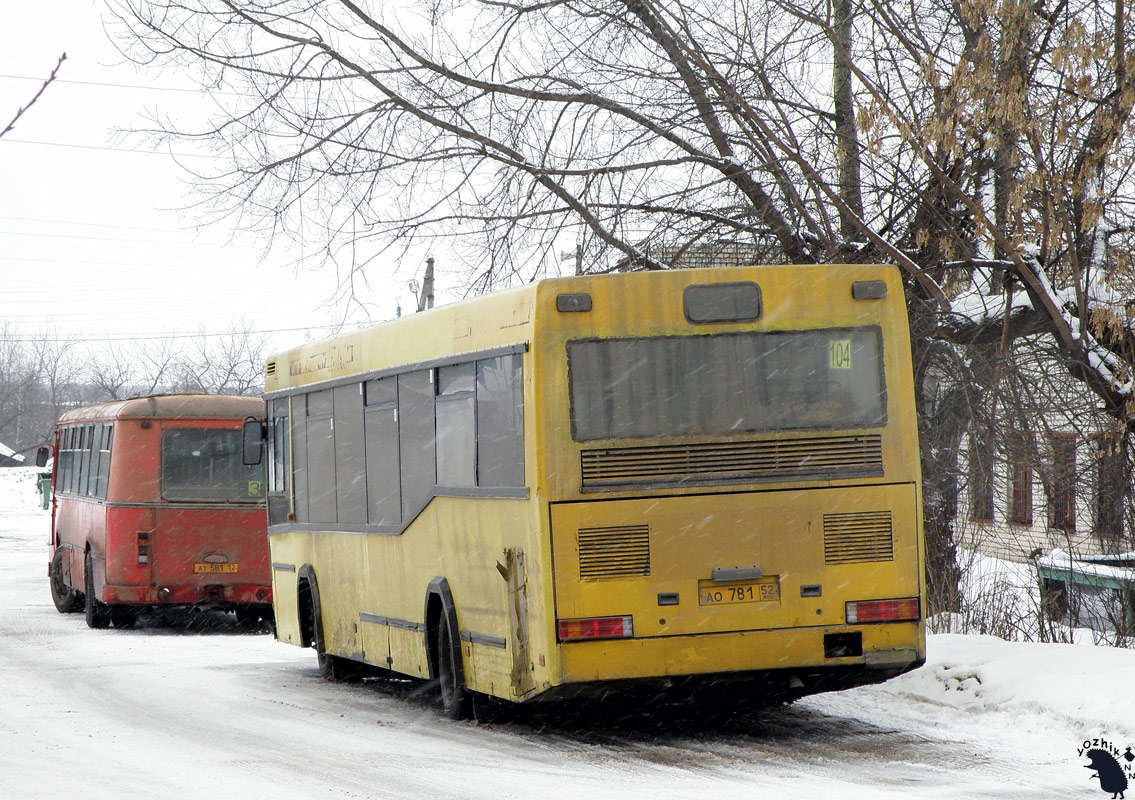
point(1111, 486)
point(1021, 479)
point(1021, 503)
point(980, 482)
point(1062, 500)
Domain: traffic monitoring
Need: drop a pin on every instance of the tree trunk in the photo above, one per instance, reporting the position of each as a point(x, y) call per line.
point(847, 138)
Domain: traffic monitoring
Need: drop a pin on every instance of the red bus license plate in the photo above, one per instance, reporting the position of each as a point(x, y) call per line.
point(717, 594)
point(199, 567)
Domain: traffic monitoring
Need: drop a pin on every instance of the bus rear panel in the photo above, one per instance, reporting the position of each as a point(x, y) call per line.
point(153, 507)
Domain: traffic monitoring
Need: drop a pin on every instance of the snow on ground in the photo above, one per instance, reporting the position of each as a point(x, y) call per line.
point(178, 711)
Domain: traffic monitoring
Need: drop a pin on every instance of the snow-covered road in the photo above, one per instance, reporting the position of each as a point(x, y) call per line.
point(174, 711)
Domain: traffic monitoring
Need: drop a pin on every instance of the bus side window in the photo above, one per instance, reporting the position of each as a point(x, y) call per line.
point(92, 460)
point(416, 440)
point(456, 437)
point(277, 447)
point(96, 457)
point(73, 462)
point(84, 458)
point(104, 462)
point(350, 454)
point(380, 425)
point(299, 456)
point(278, 462)
point(321, 457)
point(62, 470)
point(500, 422)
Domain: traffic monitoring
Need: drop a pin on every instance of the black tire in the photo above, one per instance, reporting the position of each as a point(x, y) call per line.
point(339, 670)
point(456, 701)
point(332, 668)
point(96, 612)
point(66, 599)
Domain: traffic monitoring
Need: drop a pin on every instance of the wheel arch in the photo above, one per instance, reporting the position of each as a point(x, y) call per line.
point(92, 560)
point(439, 601)
point(308, 607)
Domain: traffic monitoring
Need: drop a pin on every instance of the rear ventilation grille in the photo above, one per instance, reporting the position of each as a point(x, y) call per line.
point(733, 462)
point(857, 538)
point(271, 370)
point(614, 552)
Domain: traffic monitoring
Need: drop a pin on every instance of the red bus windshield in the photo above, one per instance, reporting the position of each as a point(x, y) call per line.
point(205, 464)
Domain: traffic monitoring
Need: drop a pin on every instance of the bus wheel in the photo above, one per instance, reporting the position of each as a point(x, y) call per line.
point(332, 668)
point(455, 700)
point(65, 598)
point(96, 612)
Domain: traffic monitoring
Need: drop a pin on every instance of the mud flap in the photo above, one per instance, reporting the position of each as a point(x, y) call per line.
point(513, 572)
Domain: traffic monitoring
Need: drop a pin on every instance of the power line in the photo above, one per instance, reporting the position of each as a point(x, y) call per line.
point(126, 337)
point(9, 140)
point(88, 289)
point(104, 263)
point(111, 85)
point(104, 225)
point(111, 239)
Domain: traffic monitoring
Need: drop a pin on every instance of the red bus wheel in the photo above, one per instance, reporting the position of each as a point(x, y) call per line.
point(96, 612)
point(65, 598)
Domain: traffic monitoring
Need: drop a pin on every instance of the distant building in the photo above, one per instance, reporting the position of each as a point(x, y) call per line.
point(9, 457)
point(1052, 489)
point(714, 253)
point(1049, 472)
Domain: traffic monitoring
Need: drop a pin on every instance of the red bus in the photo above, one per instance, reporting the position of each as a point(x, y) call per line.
point(152, 507)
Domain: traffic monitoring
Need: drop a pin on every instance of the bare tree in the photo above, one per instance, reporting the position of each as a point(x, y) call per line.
point(228, 364)
point(139, 368)
point(18, 377)
point(984, 147)
point(59, 368)
point(112, 374)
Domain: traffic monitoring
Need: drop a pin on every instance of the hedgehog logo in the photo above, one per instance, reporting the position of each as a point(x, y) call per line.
point(1111, 776)
point(1104, 761)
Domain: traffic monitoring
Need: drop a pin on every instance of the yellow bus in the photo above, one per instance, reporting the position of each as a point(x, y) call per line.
point(655, 479)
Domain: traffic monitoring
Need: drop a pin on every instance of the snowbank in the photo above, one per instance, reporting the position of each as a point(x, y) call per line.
point(19, 489)
point(1081, 686)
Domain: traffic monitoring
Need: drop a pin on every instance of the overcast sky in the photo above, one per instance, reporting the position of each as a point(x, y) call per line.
point(92, 241)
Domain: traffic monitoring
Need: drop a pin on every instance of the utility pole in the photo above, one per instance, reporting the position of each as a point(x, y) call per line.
point(566, 255)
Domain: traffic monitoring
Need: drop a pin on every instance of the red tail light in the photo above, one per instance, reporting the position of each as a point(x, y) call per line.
point(573, 630)
point(899, 610)
point(143, 547)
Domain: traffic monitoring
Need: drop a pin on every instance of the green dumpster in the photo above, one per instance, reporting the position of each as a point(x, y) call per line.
point(1095, 592)
point(45, 489)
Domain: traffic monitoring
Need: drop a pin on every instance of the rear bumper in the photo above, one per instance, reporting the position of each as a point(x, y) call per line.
point(208, 595)
point(884, 650)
